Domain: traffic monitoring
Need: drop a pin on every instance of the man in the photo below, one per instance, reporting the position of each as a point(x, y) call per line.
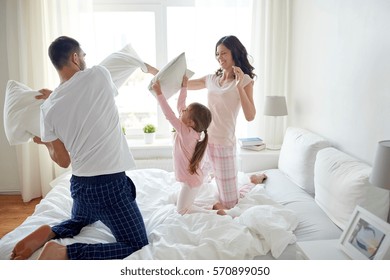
point(80, 126)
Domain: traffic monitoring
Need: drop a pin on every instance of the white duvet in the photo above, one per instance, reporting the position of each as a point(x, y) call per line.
point(256, 226)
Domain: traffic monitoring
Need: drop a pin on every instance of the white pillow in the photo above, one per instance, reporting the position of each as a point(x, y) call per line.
point(171, 76)
point(341, 183)
point(298, 154)
point(21, 113)
point(122, 64)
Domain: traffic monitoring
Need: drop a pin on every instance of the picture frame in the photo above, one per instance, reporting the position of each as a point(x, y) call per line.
point(367, 237)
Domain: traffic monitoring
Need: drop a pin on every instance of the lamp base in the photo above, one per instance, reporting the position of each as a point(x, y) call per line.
point(273, 147)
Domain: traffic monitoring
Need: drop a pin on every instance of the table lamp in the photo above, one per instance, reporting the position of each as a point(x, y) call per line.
point(275, 106)
point(380, 175)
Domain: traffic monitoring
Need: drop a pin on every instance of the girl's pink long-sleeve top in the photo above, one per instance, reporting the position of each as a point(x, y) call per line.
point(185, 141)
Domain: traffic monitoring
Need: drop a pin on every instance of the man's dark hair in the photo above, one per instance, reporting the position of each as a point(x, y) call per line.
point(61, 49)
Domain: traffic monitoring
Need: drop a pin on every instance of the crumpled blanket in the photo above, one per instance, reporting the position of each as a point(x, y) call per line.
point(256, 226)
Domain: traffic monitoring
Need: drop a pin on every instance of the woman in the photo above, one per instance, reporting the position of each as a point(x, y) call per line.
point(229, 89)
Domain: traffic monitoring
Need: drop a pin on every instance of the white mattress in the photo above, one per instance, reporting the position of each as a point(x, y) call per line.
point(262, 225)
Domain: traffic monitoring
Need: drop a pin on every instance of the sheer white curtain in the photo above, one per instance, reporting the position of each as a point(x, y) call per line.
point(31, 26)
point(270, 43)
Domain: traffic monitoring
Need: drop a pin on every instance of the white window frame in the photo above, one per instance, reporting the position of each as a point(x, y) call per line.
point(160, 9)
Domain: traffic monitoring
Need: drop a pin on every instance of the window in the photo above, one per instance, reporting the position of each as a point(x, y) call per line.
point(159, 31)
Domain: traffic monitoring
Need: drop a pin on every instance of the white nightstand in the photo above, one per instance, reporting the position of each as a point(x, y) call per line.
point(320, 250)
point(252, 161)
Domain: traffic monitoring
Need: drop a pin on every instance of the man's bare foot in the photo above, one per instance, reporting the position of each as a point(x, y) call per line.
point(53, 251)
point(32, 242)
point(258, 178)
point(219, 207)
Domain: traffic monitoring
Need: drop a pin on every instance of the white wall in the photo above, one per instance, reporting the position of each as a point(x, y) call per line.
point(9, 178)
point(340, 72)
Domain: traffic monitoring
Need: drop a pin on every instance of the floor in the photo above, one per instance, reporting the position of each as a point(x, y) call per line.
point(13, 211)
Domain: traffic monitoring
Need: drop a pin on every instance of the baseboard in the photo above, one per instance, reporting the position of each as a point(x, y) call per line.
point(5, 192)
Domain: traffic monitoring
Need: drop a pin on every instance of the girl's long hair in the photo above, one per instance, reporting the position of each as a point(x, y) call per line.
point(201, 116)
point(239, 54)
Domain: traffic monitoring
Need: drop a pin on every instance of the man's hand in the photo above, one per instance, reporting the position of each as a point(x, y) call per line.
point(45, 93)
point(151, 70)
point(57, 151)
point(37, 140)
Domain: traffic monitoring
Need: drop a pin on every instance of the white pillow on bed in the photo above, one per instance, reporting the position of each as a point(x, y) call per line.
point(341, 183)
point(298, 154)
point(21, 113)
point(171, 76)
point(122, 64)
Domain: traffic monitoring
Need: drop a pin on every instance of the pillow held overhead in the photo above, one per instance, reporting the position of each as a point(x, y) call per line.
point(122, 64)
point(21, 113)
point(171, 76)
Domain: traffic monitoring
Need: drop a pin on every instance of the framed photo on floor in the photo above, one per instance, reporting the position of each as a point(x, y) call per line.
point(367, 237)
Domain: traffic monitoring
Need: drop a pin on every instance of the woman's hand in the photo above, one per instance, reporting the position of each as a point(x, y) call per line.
point(246, 94)
point(239, 75)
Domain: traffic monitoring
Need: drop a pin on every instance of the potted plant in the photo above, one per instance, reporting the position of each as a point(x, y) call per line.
point(149, 133)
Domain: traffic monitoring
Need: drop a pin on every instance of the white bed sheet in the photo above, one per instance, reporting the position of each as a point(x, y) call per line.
point(314, 223)
point(257, 226)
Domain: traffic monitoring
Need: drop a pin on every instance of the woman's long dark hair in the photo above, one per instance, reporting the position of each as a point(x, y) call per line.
point(239, 54)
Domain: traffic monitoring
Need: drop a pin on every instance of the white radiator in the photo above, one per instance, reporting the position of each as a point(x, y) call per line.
point(161, 163)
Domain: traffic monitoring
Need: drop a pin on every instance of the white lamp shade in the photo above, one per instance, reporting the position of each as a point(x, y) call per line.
point(275, 106)
point(380, 175)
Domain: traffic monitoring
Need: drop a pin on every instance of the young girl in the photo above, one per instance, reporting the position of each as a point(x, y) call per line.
point(189, 146)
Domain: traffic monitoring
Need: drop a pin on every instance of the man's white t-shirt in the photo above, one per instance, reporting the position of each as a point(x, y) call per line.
point(82, 113)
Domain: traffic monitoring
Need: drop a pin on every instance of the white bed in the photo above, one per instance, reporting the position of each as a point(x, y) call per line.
point(172, 236)
point(299, 201)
